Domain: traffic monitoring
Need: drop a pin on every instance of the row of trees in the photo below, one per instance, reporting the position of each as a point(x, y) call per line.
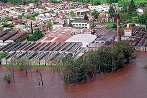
point(96, 2)
point(20, 1)
point(129, 13)
point(103, 60)
point(120, 2)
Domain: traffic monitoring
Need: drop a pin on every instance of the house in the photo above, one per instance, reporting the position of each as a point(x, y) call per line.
point(141, 10)
point(82, 11)
point(55, 26)
point(99, 8)
point(80, 23)
point(103, 17)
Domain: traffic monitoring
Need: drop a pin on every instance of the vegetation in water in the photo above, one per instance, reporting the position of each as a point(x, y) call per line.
point(8, 78)
point(103, 60)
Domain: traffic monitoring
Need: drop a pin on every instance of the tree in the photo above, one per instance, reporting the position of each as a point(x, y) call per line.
point(143, 19)
point(112, 1)
point(72, 13)
point(55, 1)
point(103, 60)
point(35, 35)
point(5, 1)
point(2, 55)
point(96, 2)
point(49, 25)
point(132, 6)
point(124, 5)
point(95, 14)
point(112, 12)
point(123, 48)
point(8, 78)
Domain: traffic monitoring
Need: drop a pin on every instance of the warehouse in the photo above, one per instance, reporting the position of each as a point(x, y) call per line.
point(85, 39)
point(41, 53)
point(7, 37)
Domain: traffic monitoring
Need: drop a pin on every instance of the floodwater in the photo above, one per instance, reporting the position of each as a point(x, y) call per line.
point(128, 82)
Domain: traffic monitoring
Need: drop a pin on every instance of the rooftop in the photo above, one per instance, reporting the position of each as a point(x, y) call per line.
point(85, 39)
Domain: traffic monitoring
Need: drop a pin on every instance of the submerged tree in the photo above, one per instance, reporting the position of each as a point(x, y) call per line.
point(103, 60)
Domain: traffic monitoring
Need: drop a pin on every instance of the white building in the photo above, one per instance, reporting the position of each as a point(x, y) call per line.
point(99, 8)
point(85, 39)
point(56, 26)
point(80, 23)
point(141, 10)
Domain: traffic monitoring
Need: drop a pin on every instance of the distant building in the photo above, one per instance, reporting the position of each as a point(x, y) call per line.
point(56, 26)
point(128, 32)
point(99, 8)
point(103, 17)
point(142, 10)
point(80, 23)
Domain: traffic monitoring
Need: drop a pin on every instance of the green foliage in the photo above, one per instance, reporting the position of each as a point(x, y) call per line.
point(2, 55)
point(143, 19)
point(112, 1)
point(95, 14)
point(123, 51)
point(20, 1)
point(5, 19)
point(49, 24)
point(105, 59)
point(22, 64)
point(95, 2)
point(29, 16)
point(112, 11)
point(132, 6)
point(6, 24)
point(133, 17)
point(72, 13)
point(110, 25)
point(55, 1)
point(34, 36)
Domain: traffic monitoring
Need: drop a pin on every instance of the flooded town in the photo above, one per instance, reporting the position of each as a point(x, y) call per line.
point(73, 48)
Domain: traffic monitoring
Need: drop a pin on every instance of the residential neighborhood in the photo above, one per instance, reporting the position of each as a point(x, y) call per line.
point(73, 48)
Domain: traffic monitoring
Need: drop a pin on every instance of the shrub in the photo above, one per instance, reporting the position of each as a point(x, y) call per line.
point(103, 60)
point(8, 78)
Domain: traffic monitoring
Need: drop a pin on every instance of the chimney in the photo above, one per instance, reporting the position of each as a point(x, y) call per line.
point(31, 27)
point(118, 29)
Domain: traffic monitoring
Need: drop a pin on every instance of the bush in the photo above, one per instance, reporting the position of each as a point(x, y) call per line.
point(34, 36)
point(103, 60)
point(111, 25)
point(3, 55)
point(55, 1)
point(8, 78)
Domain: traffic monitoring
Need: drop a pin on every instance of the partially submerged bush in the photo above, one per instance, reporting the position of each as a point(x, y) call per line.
point(8, 78)
point(103, 60)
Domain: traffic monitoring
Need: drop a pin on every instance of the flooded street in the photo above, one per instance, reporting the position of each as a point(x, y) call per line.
point(128, 82)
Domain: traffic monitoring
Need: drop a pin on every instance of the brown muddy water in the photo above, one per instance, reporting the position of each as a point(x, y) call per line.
point(128, 82)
